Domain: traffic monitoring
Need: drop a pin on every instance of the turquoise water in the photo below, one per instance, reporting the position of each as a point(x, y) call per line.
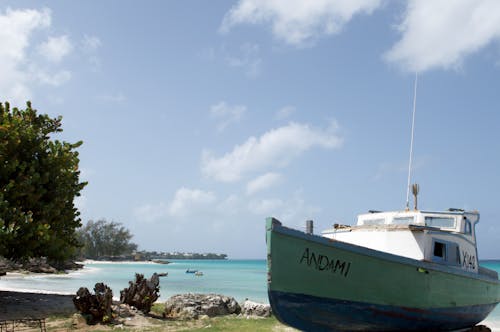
point(238, 278)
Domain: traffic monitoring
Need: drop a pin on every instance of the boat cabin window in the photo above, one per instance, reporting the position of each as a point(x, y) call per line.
point(446, 252)
point(440, 250)
point(379, 221)
point(468, 227)
point(446, 222)
point(402, 220)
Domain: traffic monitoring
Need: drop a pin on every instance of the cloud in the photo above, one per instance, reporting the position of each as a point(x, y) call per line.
point(442, 33)
point(55, 48)
point(54, 79)
point(295, 211)
point(276, 148)
point(16, 28)
point(227, 114)
point(20, 58)
point(248, 59)
point(188, 200)
point(151, 212)
point(90, 43)
point(263, 182)
point(298, 22)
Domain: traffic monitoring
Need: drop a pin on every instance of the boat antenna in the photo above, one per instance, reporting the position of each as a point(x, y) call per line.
point(411, 142)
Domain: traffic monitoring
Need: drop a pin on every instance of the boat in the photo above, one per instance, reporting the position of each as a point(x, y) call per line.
point(198, 273)
point(408, 270)
point(191, 271)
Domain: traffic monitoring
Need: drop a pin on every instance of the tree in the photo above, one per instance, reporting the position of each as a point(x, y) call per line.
point(103, 238)
point(39, 180)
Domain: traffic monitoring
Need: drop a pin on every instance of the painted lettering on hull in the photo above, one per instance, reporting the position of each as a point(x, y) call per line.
point(322, 262)
point(468, 261)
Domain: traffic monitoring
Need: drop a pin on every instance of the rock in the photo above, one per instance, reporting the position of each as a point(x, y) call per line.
point(96, 308)
point(194, 306)
point(250, 308)
point(142, 293)
point(78, 321)
point(38, 265)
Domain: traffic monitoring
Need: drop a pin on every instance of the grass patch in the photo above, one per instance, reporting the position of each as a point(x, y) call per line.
point(241, 324)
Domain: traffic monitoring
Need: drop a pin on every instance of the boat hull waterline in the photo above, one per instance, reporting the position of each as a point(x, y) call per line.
point(317, 284)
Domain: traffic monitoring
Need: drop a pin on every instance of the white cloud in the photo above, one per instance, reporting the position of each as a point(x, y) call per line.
point(90, 43)
point(151, 212)
point(265, 207)
point(276, 148)
point(187, 201)
point(55, 48)
point(227, 114)
point(16, 28)
point(263, 182)
point(54, 79)
point(298, 22)
point(294, 211)
point(441, 33)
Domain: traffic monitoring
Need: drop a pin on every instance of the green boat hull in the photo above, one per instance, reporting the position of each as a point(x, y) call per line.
point(368, 289)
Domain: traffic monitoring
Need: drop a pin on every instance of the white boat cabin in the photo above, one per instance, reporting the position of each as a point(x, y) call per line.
point(446, 238)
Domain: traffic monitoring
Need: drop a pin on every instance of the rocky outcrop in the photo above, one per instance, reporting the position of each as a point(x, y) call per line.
point(141, 293)
point(36, 265)
point(250, 308)
point(96, 308)
point(194, 306)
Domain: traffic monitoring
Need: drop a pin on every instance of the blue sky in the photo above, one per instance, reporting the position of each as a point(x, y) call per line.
point(201, 118)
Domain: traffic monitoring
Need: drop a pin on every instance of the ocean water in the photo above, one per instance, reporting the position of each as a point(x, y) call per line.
point(240, 279)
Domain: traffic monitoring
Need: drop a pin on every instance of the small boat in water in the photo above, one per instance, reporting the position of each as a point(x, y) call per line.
point(405, 270)
point(191, 271)
point(198, 273)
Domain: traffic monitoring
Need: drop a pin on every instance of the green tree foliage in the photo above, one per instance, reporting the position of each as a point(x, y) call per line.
point(105, 239)
point(39, 179)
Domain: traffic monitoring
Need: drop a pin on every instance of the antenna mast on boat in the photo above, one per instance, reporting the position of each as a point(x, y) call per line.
point(411, 142)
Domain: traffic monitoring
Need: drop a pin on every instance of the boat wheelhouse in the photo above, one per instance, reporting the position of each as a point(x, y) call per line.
point(441, 237)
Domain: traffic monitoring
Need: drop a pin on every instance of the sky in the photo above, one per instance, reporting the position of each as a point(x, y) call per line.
point(202, 118)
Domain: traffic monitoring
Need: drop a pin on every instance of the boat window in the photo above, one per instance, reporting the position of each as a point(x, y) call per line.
point(468, 227)
point(446, 222)
point(380, 221)
point(402, 220)
point(440, 250)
